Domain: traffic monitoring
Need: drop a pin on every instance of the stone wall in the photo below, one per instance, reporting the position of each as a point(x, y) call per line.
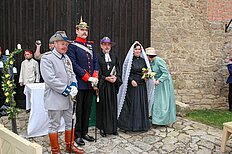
point(190, 36)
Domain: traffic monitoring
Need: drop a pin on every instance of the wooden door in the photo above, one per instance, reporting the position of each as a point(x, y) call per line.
point(24, 21)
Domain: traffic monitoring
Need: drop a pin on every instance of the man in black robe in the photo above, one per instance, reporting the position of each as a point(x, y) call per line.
point(109, 82)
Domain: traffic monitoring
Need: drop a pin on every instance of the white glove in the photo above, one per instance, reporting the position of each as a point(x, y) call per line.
point(73, 91)
point(94, 81)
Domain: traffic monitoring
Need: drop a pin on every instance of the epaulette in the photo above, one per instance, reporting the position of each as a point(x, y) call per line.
point(90, 42)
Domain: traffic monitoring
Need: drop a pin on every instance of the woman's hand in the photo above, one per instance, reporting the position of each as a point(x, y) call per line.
point(113, 79)
point(157, 82)
point(146, 79)
point(134, 83)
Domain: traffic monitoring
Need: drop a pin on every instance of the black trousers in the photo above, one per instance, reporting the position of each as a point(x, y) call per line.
point(83, 110)
point(230, 96)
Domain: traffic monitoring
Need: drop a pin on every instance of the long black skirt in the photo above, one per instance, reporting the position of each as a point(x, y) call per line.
point(135, 115)
point(106, 108)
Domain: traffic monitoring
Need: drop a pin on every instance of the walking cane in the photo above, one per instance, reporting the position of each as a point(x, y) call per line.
point(73, 99)
point(97, 100)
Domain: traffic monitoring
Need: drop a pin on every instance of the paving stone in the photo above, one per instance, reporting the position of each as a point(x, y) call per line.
point(215, 132)
point(188, 123)
point(119, 150)
point(173, 134)
point(186, 137)
point(158, 145)
point(180, 150)
point(193, 146)
point(206, 144)
point(197, 132)
point(161, 134)
point(170, 140)
point(178, 126)
point(210, 138)
point(169, 147)
point(200, 126)
point(162, 128)
point(133, 150)
point(142, 145)
point(195, 139)
point(158, 151)
point(188, 128)
point(151, 139)
point(203, 150)
point(135, 138)
point(170, 129)
point(144, 153)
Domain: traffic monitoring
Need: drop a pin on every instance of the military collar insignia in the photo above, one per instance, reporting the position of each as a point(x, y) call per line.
point(68, 63)
point(57, 54)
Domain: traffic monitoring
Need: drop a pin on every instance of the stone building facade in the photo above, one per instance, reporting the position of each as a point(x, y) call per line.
point(190, 36)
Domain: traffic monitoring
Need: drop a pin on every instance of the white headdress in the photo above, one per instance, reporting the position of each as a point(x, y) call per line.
point(125, 75)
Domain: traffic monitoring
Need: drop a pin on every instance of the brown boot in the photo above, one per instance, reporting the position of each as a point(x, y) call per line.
point(55, 148)
point(67, 141)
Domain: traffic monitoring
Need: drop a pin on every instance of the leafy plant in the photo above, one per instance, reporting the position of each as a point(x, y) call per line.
point(8, 86)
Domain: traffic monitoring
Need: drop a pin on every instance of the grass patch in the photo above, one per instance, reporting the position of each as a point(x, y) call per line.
point(211, 117)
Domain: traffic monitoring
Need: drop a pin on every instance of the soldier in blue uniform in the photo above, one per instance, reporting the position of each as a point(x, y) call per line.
point(60, 86)
point(85, 66)
point(229, 81)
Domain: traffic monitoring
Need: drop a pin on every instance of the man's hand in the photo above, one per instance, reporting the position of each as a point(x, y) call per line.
point(38, 45)
point(94, 81)
point(73, 91)
point(20, 83)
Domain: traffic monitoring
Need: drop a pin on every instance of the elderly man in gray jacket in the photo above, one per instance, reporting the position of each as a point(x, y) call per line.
point(60, 86)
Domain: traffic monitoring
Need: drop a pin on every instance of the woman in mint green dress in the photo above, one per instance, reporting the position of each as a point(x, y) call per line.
point(164, 106)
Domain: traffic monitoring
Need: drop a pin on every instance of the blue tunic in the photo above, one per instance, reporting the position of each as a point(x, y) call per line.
point(229, 67)
point(164, 107)
point(84, 64)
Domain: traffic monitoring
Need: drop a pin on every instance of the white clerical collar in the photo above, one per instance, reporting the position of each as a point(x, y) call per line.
point(107, 57)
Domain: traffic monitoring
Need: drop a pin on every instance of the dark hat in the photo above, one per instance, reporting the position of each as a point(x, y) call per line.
point(82, 25)
point(59, 36)
point(107, 40)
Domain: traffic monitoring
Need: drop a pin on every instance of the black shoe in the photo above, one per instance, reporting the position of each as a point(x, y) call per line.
point(102, 133)
point(115, 133)
point(28, 111)
point(79, 141)
point(88, 138)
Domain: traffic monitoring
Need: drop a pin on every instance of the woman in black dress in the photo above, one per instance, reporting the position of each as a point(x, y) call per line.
point(134, 115)
point(109, 82)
